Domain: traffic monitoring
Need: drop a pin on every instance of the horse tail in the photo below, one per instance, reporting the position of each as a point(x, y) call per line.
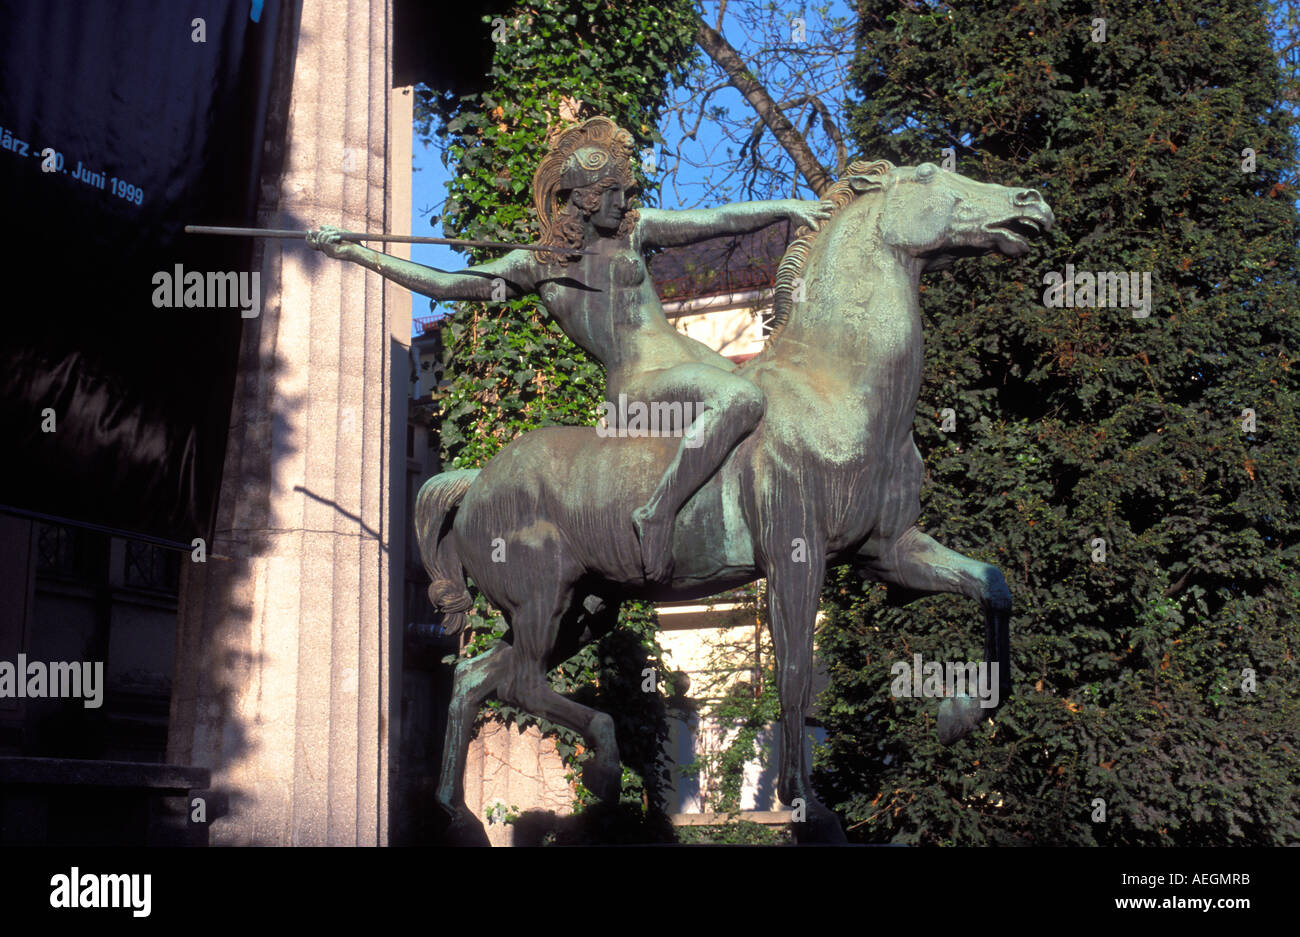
point(435, 510)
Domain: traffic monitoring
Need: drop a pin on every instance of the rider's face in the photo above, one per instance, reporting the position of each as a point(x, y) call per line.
point(609, 215)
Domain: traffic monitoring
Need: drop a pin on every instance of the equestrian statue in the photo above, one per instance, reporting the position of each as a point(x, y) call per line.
point(799, 459)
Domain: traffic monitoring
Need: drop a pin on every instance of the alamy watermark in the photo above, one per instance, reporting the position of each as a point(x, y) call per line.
point(181, 290)
point(1106, 288)
point(56, 680)
point(935, 680)
point(658, 418)
point(77, 889)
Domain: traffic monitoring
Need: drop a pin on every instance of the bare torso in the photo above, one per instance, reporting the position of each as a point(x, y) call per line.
point(606, 303)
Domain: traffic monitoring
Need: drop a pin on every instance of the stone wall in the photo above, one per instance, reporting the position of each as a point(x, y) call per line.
point(287, 639)
point(517, 769)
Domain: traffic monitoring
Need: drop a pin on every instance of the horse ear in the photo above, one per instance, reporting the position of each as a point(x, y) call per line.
point(861, 184)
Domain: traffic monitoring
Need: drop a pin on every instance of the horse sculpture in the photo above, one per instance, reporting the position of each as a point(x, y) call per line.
point(831, 476)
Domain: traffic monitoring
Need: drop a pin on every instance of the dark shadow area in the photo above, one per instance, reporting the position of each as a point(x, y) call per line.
point(621, 825)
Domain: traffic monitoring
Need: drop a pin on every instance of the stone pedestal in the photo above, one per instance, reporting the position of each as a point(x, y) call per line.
point(516, 769)
point(289, 633)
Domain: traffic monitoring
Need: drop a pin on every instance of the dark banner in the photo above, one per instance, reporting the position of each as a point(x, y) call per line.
point(120, 123)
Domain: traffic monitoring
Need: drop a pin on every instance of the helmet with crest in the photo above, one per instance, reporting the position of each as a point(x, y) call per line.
point(592, 156)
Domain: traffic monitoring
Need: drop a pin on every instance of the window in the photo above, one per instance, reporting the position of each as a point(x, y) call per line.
point(151, 567)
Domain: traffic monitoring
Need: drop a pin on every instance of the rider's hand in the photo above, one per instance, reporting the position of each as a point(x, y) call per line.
point(810, 214)
point(326, 240)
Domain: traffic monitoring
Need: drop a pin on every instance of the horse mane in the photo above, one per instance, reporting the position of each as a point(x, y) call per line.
point(860, 177)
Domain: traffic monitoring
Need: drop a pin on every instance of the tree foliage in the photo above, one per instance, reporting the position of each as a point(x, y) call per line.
point(1073, 424)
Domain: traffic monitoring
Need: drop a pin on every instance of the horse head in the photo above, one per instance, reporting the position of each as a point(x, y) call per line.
point(888, 216)
point(938, 215)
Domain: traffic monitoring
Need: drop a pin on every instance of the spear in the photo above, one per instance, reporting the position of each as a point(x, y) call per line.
point(366, 236)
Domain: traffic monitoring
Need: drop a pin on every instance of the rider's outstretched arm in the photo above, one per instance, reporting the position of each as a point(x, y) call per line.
point(513, 272)
point(668, 228)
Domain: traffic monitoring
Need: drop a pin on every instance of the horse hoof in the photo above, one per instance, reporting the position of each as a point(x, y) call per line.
point(958, 717)
point(604, 781)
point(821, 827)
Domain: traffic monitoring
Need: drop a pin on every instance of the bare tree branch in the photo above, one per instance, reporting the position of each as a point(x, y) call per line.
point(728, 59)
point(832, 130)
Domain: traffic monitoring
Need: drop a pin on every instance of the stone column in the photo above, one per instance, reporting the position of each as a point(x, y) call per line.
point(287, 634)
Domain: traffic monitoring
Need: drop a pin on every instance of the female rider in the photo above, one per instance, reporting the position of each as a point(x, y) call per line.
point(605, 302)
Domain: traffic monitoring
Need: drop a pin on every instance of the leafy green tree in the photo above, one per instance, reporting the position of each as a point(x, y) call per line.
point(1161, 680)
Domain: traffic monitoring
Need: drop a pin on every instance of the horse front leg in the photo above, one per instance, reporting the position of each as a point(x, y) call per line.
point(473, 681)
point(921, 565)
point(793, 589)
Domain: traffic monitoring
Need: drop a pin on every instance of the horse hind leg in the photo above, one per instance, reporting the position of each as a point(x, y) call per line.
point(499, 670)
point(529, 689)
point(603, 774)
point(474, 680)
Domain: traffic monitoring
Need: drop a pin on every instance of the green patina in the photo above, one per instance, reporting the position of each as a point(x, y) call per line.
point(800, 460)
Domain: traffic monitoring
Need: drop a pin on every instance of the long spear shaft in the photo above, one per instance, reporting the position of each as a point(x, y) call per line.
point(366, 236)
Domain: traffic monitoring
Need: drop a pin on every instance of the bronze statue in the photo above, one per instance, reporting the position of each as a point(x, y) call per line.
point(604, 301)
point(818, 465)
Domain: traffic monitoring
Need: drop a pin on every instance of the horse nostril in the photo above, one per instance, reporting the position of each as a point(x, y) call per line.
point(1028, 197)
